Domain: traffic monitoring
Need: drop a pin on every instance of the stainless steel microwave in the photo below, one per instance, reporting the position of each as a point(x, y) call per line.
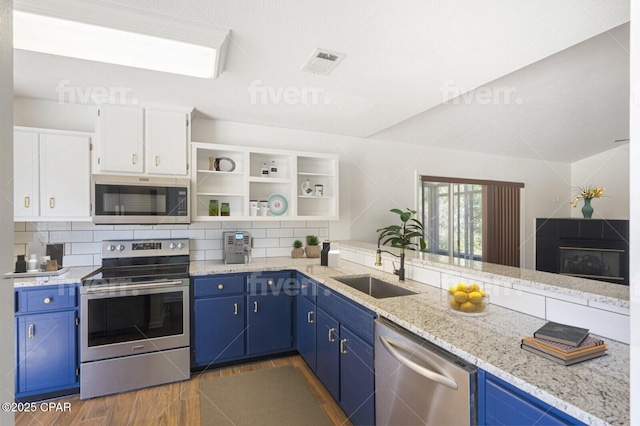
point(139, 200)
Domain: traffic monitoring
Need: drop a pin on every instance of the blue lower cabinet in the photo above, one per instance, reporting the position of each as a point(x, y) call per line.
point(357, 387)
point(219, 329)
point(269, 323)
point(306, 320)
point(47, 357)
point(327, 353)
point(500, 403)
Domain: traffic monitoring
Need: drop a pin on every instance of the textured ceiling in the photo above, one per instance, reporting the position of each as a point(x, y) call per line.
point(403, 59)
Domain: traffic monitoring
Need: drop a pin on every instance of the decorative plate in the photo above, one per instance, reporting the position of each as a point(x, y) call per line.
point(277, 204)
point(225, 164)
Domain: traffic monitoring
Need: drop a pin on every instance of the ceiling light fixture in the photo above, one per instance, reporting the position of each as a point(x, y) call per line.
point(113, 34)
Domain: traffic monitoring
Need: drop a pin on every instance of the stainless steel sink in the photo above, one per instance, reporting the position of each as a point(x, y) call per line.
point(373, 286)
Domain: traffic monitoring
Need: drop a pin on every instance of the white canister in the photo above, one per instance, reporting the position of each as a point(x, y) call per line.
point(319, 190)
point(333, 258)
point(32, 263)
point(253, 207)
point(264, 208)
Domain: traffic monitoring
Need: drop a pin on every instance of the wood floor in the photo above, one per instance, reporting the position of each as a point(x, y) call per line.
point(173, 404)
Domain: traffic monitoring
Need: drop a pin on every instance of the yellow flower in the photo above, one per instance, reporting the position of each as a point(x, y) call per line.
point(587, 193)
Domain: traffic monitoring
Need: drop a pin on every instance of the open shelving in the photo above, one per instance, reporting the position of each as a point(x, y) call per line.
point(246, 182)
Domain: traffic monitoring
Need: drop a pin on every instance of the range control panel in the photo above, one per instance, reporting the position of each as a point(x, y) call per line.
point(143, 248)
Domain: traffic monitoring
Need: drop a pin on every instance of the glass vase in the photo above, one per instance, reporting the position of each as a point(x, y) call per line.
point(587, 210)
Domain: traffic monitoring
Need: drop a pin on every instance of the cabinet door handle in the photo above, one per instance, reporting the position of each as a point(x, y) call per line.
point(32, 331)
point(235, 309)
point(26, 202)
point(255, 306)
point(52, 203)
point(309, 319)
point(342, 342)
point(270, 282)
point(220, 286)
point(157, 161)
point(47, 300)
point(330, 337)
point(133, 159)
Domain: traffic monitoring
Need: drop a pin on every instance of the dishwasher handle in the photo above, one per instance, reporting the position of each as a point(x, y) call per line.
point(391, 346)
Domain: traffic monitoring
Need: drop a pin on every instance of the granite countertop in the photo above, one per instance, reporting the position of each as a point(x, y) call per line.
point(595, 392)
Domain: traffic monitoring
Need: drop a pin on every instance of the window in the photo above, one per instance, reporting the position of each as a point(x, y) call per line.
point(471, 219)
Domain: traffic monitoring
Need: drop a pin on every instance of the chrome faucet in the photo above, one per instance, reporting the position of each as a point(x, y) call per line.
point(398, 272)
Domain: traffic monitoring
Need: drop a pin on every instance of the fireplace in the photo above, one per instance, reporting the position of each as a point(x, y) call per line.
point(585, 248)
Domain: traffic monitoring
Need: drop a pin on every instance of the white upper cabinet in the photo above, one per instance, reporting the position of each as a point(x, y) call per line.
point(121, 139)
point(146, 141)
point(52, 175)
point(65, 176)
point(166, 136)
point(26, 196)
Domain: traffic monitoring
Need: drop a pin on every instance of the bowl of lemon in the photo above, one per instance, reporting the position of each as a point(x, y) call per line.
point(468, 299)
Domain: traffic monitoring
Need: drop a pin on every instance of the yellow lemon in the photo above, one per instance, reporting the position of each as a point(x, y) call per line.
point(460, 296)
point(467, 307)
point(482, 293)
point(480, 306)
point(454, 305)
point(473, 287)
point(475, 297)
point(453, 289)
point(463, 287)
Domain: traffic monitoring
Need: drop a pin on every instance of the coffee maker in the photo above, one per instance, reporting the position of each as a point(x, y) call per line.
point(236, 247)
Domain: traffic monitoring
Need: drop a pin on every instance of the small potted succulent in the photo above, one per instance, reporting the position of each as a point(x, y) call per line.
point(297, 251)
point(313, 246)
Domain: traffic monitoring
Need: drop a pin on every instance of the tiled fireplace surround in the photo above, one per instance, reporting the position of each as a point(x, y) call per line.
point(82, 239)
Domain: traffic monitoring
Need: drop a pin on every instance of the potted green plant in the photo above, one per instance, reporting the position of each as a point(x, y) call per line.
point(406, 236)
point(297, 251)
point(313, 246)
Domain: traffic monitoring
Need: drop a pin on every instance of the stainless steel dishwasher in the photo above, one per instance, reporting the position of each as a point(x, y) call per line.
point(419, 383)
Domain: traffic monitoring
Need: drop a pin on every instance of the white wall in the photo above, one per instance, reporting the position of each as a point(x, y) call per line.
point(634, 196)
point(7, 360)
point(609, 169)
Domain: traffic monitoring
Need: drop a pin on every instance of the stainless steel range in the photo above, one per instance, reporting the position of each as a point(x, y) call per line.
point(135, 317)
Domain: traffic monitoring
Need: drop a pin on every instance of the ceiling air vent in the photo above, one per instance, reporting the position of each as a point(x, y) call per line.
point(323, 61)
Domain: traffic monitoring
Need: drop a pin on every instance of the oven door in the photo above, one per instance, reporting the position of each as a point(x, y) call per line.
point(133, 319)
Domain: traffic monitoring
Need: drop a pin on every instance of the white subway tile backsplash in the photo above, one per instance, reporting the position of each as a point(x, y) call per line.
point(97, 259)
point(280, 251)
point(204, 225)
point(113, 235)
point(287, 242)
point(54, 226)
point(86, 248)
point(295, 224)
point(317, 224)
point(266, 243)
point(71, 236)
point(131, 227)
point(196, 255)
point(19, 226)
point(280, 233)
point(78, 260)
point(259, 252)
point(303, 232)
point(424, 276)
point(213, 255)
point(599, 322)
point(214, 234)
point(24, 237)
point(323, 233)
point(236, 226)
point(268, 225)
point(527, 303)
point(194, 234)
point(89, 226)
point(447, 280)
point(258, 232)
point(151, 234)
point(553, 295)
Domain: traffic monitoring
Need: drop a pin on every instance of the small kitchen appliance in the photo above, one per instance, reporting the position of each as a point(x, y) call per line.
point(237, 247)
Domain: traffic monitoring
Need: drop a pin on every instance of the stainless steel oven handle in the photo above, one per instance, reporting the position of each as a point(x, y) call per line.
point(137, 286)
point(391, 346)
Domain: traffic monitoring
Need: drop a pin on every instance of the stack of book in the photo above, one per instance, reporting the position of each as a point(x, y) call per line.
point(564, 344)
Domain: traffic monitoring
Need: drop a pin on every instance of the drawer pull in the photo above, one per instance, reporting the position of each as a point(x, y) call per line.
point(270, 282)
point(342, 342)
point(235, 309)
point(220, 286)
point(303, 286)
point(157, 161)
point(47, 300)
point(309, 319)
point(331, 339)
point(133, 159)
point(52, 203)
point(26, 202)
point(32, 331)
point(255, 306)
